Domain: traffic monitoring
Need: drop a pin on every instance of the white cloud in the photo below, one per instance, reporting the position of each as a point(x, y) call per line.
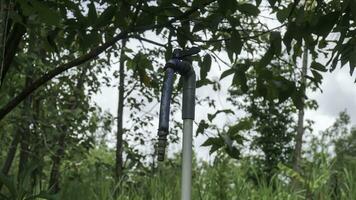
point(339, 93)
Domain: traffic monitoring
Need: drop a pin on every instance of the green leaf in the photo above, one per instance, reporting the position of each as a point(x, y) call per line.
point(182, 37)
point(267, 58)
point(276, 41)
point(233, 152)
point(272, 2)
point(215, 143)
point(235, 42)
point(199, 3)
point(227, 6)
point(297, 99)
point(293, 32)
point(243, 124)
point(51, 40)
point(240, 76)
point(201, 127)
point(213, 21)
point(291, 173)
point(214, 148)
point(45, 195)
point(92, 15)
point(45, 13)
point(226, 111)
point(181, 3)
point(325, 24)
point(227, 73)
point(284, 13)
point(258, 2)
point(317, 66)
point(352, 5)
point(205, 66)
point(249, 9)
point(26, 8)
point(139, 64)
point(173, 12)
point(261, 89)
point(352, 61)
point(317, 76)
point(203, 82)
point(322, 44)
point(265, 74)
point(285, 88)
point(106, 17)
point(240, 80)
point(145, 19)
point(9, 183)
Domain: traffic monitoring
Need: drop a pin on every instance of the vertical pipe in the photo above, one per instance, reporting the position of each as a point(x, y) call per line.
point(187, 159)
point(188, 113)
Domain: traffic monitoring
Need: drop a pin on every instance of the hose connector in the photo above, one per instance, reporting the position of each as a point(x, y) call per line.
point(162, 143)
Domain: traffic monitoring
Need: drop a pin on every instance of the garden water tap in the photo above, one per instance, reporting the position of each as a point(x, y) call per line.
point(177, 63)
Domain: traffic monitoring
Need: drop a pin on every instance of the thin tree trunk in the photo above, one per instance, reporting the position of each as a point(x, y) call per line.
point(120, 108)
point(300, 129)
point(10, 156)
point(55, 171)
point(54, 180)
point(37, 143)
point(25, 132)
point(11, 48)
point(21, 136)
point(3, 19)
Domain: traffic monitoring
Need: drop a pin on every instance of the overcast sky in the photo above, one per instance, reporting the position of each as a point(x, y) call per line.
point(339, 93)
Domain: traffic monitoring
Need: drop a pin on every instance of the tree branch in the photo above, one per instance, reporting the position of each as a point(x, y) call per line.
point(131, 90)
point(54, 72)
point(149, 41)
point(11, 46)
point(244, 38)
point(84, 58)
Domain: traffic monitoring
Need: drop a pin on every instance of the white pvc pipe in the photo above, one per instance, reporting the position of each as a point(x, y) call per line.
point(187, 159)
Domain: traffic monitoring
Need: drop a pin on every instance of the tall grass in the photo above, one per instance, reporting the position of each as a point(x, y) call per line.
point(91, 179)
point(222, 179)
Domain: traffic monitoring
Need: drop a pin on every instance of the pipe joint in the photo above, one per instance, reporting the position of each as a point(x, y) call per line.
point(181, 66)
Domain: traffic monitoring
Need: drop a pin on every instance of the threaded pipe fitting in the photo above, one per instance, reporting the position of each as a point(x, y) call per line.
point(161, 146)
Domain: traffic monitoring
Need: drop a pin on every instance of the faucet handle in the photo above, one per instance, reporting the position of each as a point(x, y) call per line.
point(179, 53)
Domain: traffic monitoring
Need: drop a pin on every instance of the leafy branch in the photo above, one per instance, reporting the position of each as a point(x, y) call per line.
point(84, 58)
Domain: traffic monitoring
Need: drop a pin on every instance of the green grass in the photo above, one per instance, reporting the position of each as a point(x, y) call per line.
point(225, 179)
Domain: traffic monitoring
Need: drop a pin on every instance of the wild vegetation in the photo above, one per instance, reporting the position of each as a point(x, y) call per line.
point(56, 56)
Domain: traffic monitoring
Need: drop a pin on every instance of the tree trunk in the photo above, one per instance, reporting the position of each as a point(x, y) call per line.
point(120, 108)
point(300, 129)
point(10, 156)
point(55, 171)
point(37, 143)
point(54, 180)
point(3, 19)
point(12, 45)
point(25, 132)
point(21, 136)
